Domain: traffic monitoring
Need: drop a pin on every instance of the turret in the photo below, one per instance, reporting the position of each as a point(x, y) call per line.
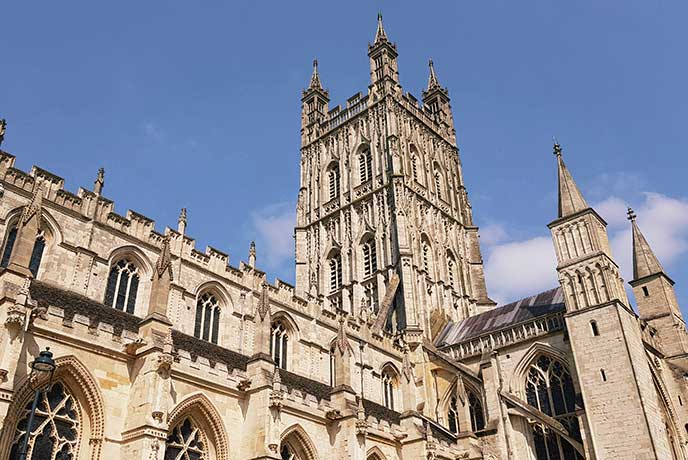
point(384, 71)
point(314, 107)
point(436, 98)
point(655, 296)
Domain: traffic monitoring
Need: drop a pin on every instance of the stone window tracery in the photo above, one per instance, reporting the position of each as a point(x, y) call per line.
point(549, 387)
point(475, 411)
point(453, 416)
point(414, 167)
point(279, 341)
point(388, 386)
point(122, 286)
point(56, 427)
point(208, 313)
point(186, 442)
point(426, 255)
point(451, 268)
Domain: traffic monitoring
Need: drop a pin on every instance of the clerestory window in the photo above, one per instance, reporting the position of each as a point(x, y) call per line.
point(122, 286)
point(207, 326)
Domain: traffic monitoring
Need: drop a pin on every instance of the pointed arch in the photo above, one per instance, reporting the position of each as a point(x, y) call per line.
point(375, 453)
point(218, 288)
point(518, 377)
point(134, 253)
point(83, 387)
point(205, 414)
point(297, 438)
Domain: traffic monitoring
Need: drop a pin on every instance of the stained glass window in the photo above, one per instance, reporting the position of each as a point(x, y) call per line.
point(475, 409)
point(36, 252)
point(549, 387)
point(56, 427)
point(7, 251)
point(388, 389)
point(453, 416)
point(186, 442)
point(287, 453)
point(122, 286)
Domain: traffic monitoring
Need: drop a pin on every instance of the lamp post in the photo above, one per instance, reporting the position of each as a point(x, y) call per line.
point(40, 366)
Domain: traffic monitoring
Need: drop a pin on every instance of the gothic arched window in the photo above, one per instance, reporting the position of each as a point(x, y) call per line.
point(453, 416)
point(279, 339)
point(335, 272)
point(122, 286)
point(36, 252)
point(388, 386)
point(56, 426)
point(475, 409)
point(333, 182)
point(186, 442)
point(549, 387)
point(369, 257)
point(365, 165)
point(208, 312)
point(332, 367)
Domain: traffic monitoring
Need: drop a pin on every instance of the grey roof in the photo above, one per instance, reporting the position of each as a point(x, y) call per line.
point(541, 304)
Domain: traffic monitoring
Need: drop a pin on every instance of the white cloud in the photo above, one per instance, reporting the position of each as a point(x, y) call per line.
point(520, 268)
point(274, 226)
point(515, 269)
point(492, 234)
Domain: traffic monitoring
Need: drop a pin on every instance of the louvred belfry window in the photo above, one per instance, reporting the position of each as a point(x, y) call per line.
point(369, 257)
point(549, 388)
point(333, 182)
point(56, 427)
point(207, 325)
point(365, 165)
point(335, 272)
point(122, 286)
point(186, 442)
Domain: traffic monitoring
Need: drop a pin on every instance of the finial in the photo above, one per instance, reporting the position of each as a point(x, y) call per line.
point(99, 182)
point(380, 34)
point(631, 215)
point(557, 147)
point(252, 254)
point(181, 222)
point(3, 127)
point(433, 82)
point(315, 77)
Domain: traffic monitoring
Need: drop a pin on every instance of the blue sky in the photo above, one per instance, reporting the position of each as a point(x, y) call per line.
point(197, 105)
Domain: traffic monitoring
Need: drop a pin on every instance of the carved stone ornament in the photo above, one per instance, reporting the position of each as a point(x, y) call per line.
point(15, 317)
point(264, 303)
point(276, 399)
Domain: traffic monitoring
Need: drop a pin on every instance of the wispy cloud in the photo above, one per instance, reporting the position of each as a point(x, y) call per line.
point(153, 132)
point(274, 227)
point(518, 268)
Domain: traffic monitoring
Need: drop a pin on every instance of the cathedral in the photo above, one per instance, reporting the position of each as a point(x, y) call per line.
point(387, 346)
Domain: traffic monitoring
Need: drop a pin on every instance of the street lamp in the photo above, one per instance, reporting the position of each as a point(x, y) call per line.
point(44, 364)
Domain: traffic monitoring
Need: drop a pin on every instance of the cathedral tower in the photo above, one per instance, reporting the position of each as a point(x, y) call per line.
point(384, 226)
point(615, 379)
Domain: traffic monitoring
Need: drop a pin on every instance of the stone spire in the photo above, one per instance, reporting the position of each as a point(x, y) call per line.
point(181, 222)
point(433, 82)
point(571, 200)
point(315, 77)
point(252, 254)
point(645, 262)
point(99, 182)
point(162, 278)
point(380, 34)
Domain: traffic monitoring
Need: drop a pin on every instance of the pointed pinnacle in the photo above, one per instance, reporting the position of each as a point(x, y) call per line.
point(570, 197)
point(315, 77)
point(380, 34)
point(433, 82)
point(645, 262)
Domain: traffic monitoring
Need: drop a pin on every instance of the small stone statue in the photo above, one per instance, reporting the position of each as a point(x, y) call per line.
point(3, 126)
